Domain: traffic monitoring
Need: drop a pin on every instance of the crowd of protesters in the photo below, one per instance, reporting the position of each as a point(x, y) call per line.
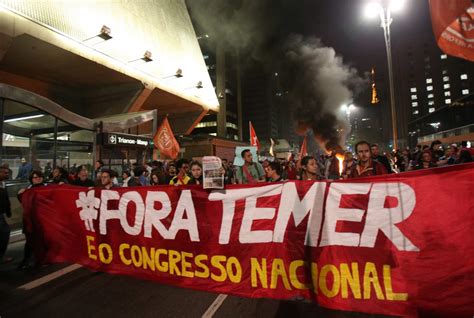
point(367, 160)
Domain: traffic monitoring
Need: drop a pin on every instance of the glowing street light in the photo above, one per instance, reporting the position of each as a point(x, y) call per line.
point(348, 108)
point(384, 8)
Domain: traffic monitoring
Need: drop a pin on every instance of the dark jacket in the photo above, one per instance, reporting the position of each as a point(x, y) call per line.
point(5, 207)
point(134, 182)
point(383, 160)
point(85, 183)
point(194, 181)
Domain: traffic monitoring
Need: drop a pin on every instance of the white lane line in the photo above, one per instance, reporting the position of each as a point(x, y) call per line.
point(214, 306)
point(49, 277)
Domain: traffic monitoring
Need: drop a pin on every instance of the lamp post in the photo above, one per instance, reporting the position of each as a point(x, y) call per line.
point(383, 8)
point(348, 109)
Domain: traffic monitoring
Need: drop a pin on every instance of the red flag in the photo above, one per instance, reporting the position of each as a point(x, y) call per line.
point(304, 148)
point(453, 26)
point(253, 137)
point(164, 140)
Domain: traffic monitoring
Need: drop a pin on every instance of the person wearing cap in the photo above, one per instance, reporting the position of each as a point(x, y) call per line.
point(24, 170)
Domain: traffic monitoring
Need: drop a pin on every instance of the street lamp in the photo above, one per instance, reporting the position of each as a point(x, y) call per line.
point(384, 8)
point(348, 109)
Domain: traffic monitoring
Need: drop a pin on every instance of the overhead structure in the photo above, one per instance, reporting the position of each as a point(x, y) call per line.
point(102, 58)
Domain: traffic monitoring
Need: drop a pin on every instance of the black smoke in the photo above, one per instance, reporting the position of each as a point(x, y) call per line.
point(317, 80)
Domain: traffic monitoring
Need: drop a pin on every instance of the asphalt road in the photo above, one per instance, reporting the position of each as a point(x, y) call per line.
point(83, 293)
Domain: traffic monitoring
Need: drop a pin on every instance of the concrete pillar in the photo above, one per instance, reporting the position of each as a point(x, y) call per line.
point(220, 83)
point(239, 97)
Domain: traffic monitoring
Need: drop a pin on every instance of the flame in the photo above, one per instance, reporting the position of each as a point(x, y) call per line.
point(340, 157)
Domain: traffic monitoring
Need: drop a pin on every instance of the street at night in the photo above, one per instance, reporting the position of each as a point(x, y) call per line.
point(236, 158)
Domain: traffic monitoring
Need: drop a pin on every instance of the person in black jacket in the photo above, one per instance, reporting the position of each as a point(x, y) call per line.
point(83, 180)
point(36, 180)
point(381, 159)
point(5, 210)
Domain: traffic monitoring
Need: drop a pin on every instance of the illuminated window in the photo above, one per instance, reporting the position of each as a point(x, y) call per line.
point(207, 124)
point(446, 86)
point(443, 56)
point(413, 89)
point(447, 93)
point(429, 88)
point(445, 72)
point(415, 112)
point(430, 96)
point(464, 76)
point(429, 80)
point(414, 97)
point(431, 109)
point(445, 78)
point(465, 91)
point(431, 102)
point(414, 104)
point(447, 101)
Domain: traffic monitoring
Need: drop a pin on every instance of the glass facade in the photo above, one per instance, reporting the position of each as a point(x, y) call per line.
point(33, 139)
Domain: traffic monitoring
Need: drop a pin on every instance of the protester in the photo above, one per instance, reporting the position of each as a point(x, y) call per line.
point(158, 170)
point(464, 147)
point(129, 180)
point(250, 171)
point(5, 211)
point(10, 171)
point(291, 172)
point(379, 158)
point(309, 169)
point(82, 179)
point(228, 172)
point(436, 150)
point(36, 180)
point(59, 176)
point(140, 174)
point(464, 156)
point(273, 172)
point(331, 170)
point(155, 178)
point(99, 165)
point(182, 165)
point(106, 179)
point(348, 163)
point(426, 161)
point(196, 173)
point(366, 166)
point(403, 162)
point(171, 172)
point(24, 170)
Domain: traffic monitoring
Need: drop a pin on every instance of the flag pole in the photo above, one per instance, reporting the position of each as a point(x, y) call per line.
point(250, 133)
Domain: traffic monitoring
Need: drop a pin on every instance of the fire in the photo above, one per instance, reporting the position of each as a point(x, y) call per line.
point(340, 157)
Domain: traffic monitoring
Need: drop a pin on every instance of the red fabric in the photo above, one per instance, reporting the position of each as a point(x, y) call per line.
point(453, 27)
point(430, 210)
point(248, 175)
point(164, 140)
point(253, 137)
point(304, 148)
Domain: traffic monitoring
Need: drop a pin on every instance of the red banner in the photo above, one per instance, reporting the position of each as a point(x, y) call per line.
point(453, 26)
point(400, 244)
point(165, 141)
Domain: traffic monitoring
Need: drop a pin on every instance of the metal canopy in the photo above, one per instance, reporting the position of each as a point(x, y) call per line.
point(109, 123)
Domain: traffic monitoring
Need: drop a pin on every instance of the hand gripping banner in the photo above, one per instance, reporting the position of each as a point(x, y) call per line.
point(399, 245)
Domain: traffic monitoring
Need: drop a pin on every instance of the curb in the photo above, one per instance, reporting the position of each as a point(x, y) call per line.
point(16, 236)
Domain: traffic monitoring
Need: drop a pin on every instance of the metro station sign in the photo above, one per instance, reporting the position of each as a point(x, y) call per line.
point(115, 139)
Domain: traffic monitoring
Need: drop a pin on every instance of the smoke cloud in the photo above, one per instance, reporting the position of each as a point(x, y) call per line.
point(317, 80)
point(319, 84)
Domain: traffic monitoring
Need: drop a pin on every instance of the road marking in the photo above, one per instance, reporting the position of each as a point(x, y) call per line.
point(50, 277)
point(214, 306)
